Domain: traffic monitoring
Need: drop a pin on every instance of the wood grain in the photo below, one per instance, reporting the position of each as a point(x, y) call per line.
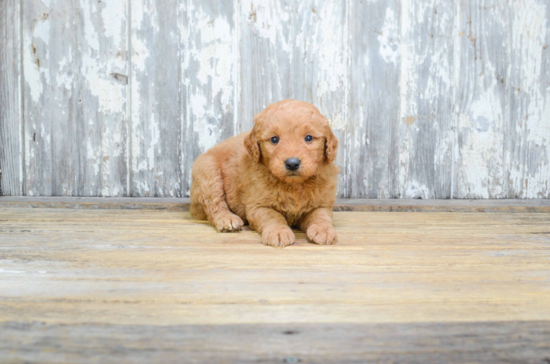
point(371, 142)
point(528, 131)
point(211, 79)
point(484, 342)
point(11, 123)
point(425, 127)
point(101, 85)
point(75, 98)
point(107, 285)
point(50, 99)
point(482, 99)
point(430, 99)
point(156, 116)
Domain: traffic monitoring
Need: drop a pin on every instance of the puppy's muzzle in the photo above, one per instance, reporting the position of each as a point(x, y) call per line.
point(292, 164)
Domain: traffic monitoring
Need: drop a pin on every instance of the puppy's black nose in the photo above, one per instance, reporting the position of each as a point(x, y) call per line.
point(292, 164)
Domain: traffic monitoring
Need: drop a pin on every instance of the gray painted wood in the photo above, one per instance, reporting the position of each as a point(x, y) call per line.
point(528, 131)
point(425, 127)
point(211, 77)
point(49, 70)
point(481, 98)
point(156, 126)
point(431, 99)
point(11, 146)
point(101, 97)
point(370, 145)
point(74, 61)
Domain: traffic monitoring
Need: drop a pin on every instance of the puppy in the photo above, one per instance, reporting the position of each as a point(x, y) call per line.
point(276, 176)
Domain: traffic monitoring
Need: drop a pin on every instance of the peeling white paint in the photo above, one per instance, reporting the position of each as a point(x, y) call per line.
point(388, 37)
point(305, 48)
point(154, 144)
point(111, 16)
point(140, 53)
point(210, 56)
point(32, 71)
point(90, 33)
point(36, 47)
point(93, 156)
point(417, 190)
point(270, 20)
point(531, 170)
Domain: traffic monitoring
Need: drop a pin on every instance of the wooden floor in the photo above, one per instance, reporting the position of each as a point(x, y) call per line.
point(120, 286)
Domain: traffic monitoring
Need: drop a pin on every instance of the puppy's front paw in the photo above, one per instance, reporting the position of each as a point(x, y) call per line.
point(228, 222)
point(322, 234)
point(278, 236)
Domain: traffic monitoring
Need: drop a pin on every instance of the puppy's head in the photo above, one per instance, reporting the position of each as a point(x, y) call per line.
point(292, 139)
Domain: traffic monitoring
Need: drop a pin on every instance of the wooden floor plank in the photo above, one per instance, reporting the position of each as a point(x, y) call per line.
point(79, 285)
point(343, 204)
point(483, 342)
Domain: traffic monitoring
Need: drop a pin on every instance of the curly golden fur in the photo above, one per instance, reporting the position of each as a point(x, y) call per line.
point(245, 179)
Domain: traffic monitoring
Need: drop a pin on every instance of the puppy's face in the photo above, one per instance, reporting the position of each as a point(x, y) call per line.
point(292, 139)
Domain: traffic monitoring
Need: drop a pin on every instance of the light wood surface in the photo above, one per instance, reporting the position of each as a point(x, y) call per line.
point(105, 284)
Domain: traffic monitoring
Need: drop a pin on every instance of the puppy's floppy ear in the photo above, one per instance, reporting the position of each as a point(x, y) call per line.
point(251, 145)
point(251, 142)
point(331, 145)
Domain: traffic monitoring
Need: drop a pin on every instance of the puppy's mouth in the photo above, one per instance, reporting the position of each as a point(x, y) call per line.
point(293, 174)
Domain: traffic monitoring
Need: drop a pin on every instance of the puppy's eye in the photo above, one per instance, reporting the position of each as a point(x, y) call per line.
point(275, 140)
point(309, 138)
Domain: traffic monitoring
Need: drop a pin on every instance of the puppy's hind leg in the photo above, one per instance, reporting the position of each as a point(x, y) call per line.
point(208, 196)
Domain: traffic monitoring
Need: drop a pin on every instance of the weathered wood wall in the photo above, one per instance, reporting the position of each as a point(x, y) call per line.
point(431, 98)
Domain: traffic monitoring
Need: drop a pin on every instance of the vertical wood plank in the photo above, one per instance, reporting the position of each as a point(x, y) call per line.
point(101, 64)
point(431, 99)
point(74, 98)
point(156, 98)
point(528, 133)
point(11, 148)
point(426, 133)
point(370, 144)
point(297, 50)
point(210, 70)
point(481, 102)
point(49, 66)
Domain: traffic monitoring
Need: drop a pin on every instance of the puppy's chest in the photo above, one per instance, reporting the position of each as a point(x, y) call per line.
point(294, 204)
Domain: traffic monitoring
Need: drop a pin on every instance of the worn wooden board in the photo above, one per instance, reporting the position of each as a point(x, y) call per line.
point(49, 100)
point(370, 145)
point(425, 127)
point(528, 130)
point(211, 78)
point(75, 98)
point(482, 77)
point(431, 99)
point(486, 342)
point(100, 65)
point(11, 122)
point(156, 105)
point(105, 285)
point(343, 204)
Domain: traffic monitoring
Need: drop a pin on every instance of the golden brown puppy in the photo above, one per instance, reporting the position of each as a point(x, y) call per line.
point(276, 176)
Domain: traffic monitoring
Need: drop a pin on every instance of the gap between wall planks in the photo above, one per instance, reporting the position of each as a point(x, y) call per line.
point(439, 99)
